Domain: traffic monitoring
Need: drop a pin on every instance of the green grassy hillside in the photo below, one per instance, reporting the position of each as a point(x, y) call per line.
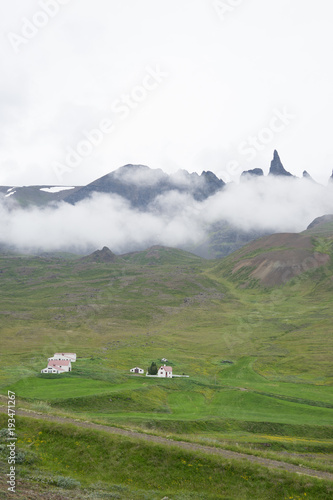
point(259, 359)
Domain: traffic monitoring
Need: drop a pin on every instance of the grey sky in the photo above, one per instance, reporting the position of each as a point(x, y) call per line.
point(172, 84)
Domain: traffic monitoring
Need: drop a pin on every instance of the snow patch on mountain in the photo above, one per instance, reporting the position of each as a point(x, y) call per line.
point(56, 189)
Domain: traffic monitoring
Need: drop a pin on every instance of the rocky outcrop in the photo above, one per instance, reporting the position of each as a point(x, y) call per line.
point(254, 172)
point(277, 168)
point(105, 256)
point(210, 185)
point(306, 175)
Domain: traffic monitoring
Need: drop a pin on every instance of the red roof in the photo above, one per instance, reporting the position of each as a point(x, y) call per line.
point(167, 368)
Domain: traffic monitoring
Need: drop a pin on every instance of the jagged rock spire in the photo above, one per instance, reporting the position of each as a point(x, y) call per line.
point(276, 166)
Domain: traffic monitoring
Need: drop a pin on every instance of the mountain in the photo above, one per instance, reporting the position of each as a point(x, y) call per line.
point(40, 195)
point(140, 185)
point(197, 213)
point(321, 226)
point(223, 238)
point(102, 256)
point(275, 259)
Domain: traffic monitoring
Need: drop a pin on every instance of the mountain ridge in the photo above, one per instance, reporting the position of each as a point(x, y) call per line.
point(198, 213)
point(139, 184)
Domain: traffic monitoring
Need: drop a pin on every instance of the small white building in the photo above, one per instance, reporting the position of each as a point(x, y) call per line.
point(165, 371)
point(61, 366)
point(59, 356)
point(137, 370)
point(164, 360)
point(53, 369)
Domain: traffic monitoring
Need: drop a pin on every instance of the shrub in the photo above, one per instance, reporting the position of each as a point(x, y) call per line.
point(27, 457)
point(4, 433)
point(66, 482)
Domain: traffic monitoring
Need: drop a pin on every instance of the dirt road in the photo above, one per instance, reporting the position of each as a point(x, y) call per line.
point(266, 462)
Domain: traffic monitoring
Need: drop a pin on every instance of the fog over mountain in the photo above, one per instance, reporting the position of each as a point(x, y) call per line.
point(135, 207)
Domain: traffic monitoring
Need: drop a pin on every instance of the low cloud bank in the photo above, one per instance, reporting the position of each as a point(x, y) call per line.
point(173, 219)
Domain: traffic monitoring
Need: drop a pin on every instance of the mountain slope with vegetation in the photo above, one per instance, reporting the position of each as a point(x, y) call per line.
point(258, 359)
point(276, 259)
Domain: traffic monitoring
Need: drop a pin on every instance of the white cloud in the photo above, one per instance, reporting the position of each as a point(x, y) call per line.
point(270, 203)
point(142, 176)
point(174, 219)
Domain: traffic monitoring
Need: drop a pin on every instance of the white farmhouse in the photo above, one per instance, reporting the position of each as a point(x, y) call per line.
point(137, 370)
point(165, 371)
point(61, 366)
point(52, 369)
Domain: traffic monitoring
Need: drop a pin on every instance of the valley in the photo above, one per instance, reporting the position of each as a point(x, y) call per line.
point(258, 356)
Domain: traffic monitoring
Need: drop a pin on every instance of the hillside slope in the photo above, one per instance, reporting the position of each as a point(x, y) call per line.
point(276, 259)
point(258, 361)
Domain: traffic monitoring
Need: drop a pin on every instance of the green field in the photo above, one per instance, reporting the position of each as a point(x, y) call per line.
point(259, 360)
point(115, 467)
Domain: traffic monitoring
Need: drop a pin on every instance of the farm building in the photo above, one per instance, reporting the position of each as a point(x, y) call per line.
point(165, 371)
point(137, 370)
point(61, 366)
point(53, 369)
point(64, 355)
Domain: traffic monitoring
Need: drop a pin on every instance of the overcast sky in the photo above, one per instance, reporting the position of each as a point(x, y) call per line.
point(88, 86)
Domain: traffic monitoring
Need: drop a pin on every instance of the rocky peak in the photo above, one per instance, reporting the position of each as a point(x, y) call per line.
point(277, 168)
point(255, 171)
point(306, 175)
point(211, 185)
point(211, 178)
point(104, 255)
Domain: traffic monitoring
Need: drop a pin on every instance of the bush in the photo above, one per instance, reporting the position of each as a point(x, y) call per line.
point(27, 457)
point(41, 406)
point(4, 433)
point(66, 482)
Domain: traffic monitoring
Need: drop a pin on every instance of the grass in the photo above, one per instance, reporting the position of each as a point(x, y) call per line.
point(276, 390)
point(91, 456)
point(50, 388)
point(238, 395)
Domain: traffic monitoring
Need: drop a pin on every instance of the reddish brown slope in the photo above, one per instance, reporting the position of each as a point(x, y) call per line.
point(275, 259)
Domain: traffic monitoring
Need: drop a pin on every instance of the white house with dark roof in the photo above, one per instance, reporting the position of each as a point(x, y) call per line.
point(165, 371)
